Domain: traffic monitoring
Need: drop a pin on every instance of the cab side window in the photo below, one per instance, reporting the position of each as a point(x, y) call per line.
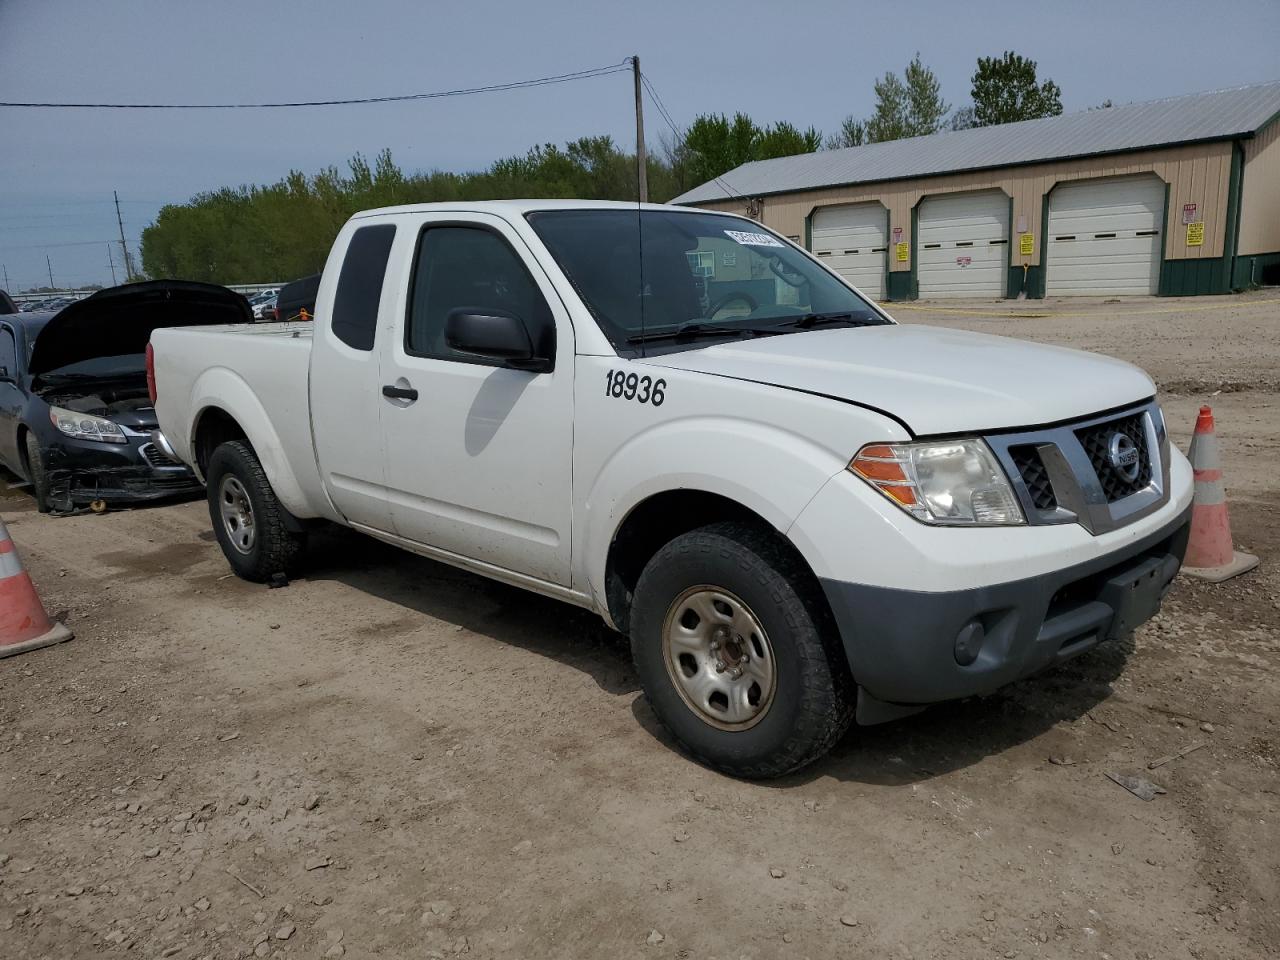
point(8, 355)
point(355, 305)
point(473, 268)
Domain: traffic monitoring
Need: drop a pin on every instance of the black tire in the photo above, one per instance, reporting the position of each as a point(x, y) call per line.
point(36, 473)
point(813, 692)
point(274, 548)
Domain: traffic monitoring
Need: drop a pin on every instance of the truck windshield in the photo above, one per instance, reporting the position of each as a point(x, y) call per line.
point(705, 277)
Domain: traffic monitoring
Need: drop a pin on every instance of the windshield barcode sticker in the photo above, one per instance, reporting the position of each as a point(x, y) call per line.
point(752, 239)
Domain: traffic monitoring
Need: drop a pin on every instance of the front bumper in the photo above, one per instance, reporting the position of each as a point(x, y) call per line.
point(901, 644)
point(82, 471)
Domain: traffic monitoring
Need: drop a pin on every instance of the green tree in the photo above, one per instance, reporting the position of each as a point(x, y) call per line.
point(852, 133)
point(907, 106)
point(785, 140)
point(715, 144)
point(1005, 90)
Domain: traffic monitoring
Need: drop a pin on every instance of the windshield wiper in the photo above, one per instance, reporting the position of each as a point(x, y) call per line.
point(694, 329)
point(808, 320)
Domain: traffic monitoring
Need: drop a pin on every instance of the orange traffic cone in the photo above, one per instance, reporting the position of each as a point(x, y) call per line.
point(1210, 553)
point(23, 623)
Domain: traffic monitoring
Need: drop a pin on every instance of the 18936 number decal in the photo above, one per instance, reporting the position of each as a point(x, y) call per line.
point(628, 386)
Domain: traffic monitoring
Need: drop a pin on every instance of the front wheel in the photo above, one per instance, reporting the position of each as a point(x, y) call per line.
point(36, 473)
point(736, 653)
point(247, 518)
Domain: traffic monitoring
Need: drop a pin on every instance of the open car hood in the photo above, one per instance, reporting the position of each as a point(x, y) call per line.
point(118, 321)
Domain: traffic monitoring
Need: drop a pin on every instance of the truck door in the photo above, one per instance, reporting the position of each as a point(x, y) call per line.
point(345, 399)
point(478, 454)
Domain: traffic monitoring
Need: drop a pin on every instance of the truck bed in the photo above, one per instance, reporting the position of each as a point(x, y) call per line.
point(258, 374)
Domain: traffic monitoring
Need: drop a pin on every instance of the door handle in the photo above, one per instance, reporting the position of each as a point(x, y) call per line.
point(399, 393)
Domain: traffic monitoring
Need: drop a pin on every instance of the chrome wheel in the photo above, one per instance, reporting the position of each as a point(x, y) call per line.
point(719, 658)
point(237, 514)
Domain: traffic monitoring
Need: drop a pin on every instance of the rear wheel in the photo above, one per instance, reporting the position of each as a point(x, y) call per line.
point(247, 518)
point(736, 652)
point(36, 473)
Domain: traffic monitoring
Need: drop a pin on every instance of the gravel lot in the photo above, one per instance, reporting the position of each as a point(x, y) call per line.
point(391, 758)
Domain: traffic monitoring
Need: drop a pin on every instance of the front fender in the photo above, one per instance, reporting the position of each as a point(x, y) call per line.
point(222, 388)
point(770, 471)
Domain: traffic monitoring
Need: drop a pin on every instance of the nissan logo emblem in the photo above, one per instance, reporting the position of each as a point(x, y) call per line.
point(1123, 454)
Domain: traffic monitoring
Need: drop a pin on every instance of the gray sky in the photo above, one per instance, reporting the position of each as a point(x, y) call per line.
point(807, 62)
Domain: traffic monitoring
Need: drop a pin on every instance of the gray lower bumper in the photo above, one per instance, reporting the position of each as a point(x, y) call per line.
point(901, 644)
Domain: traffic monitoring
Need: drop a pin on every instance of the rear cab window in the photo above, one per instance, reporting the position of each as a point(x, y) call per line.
point(355, 305)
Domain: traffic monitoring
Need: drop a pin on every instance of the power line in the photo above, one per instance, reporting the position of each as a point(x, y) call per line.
point(675, 129)
point(461, 92)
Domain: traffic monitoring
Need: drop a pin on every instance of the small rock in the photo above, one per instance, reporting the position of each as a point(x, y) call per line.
point(260, 917)
point(811, 806)
point(1117, 848)
point(524, 846)
point(202, 904)
point(285, 932)
point(1062, 761)
point(74, 891)
point(681, 837)
point(1207, 727)
point(840, 885)
point(316, 863)
point(777, 873)
point(989, 916)
point(787, 938)
point(171, 951)
point(262, 949)
point(115, 936)
point(311, 802)
point(849, 920)
point(699, 796)
point(274, 626)
point(181, 817)
point(337, 950)
point(654, 938)
point(152, 853)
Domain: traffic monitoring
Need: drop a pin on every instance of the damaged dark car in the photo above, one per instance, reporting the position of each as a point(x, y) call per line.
point(76, 419)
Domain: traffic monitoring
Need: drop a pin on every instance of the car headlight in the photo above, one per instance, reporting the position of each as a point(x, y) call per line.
point(84, 426)
point(948, 482)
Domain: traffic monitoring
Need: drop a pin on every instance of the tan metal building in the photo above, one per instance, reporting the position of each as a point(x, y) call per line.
point(1173, 197)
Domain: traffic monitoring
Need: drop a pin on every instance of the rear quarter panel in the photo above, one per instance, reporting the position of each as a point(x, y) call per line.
point(258, 375)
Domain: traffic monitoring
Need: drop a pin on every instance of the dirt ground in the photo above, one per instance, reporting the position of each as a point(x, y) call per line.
point(390, 758)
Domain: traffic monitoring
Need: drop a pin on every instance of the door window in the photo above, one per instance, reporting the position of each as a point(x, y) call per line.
point(461, 267)
point(355, 305)
point(8, 356)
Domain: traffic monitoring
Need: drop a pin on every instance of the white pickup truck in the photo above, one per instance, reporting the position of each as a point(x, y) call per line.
point(797, 509)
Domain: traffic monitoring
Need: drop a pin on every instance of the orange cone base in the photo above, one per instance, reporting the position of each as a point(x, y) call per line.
point(1238, 564)
point(55, 634)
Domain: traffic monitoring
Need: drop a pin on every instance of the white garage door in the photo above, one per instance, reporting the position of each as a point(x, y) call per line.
point(853, 240)
point(963, 244)
point(1104, 237)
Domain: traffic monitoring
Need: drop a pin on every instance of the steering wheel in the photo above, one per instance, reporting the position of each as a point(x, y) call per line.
point(780, 270)
point(734, 296)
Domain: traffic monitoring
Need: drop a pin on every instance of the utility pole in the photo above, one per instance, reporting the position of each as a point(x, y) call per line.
point(642, 162)
point(6, 276)
point(48, 264)
point(128, 263)
point(111, 260)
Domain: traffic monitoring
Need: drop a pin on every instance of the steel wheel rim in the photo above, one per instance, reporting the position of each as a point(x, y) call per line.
point(237, 514)
point(719, 658)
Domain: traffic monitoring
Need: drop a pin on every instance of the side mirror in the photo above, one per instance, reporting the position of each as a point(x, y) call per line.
point(496, 335)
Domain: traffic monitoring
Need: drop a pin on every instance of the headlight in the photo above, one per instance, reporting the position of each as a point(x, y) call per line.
point(82, 426)
point(941, 482)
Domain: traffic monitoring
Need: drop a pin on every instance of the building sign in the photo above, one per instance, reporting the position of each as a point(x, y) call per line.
point(964, 261)
point(897, 234)
point(1195, 234)
point(902, 254)
point(1188, 213)
point(1026, 244)
point(1022, 223)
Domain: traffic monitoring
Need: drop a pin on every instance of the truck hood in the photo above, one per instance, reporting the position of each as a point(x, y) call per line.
point(117, 322)
point(931, 379)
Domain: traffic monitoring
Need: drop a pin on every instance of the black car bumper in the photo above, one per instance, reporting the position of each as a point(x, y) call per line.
point(910, 647)
point(82, 471)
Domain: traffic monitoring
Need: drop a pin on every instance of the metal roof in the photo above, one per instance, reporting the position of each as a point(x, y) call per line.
point(1216, 115)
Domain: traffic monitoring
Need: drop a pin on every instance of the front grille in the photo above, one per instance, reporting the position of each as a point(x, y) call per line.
point(1096, 441)
point(151, 453)
point(1031, 468)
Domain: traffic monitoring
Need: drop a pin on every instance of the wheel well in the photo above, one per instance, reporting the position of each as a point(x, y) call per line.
point(656, 522)
point(214, 428)
point(23, 459)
